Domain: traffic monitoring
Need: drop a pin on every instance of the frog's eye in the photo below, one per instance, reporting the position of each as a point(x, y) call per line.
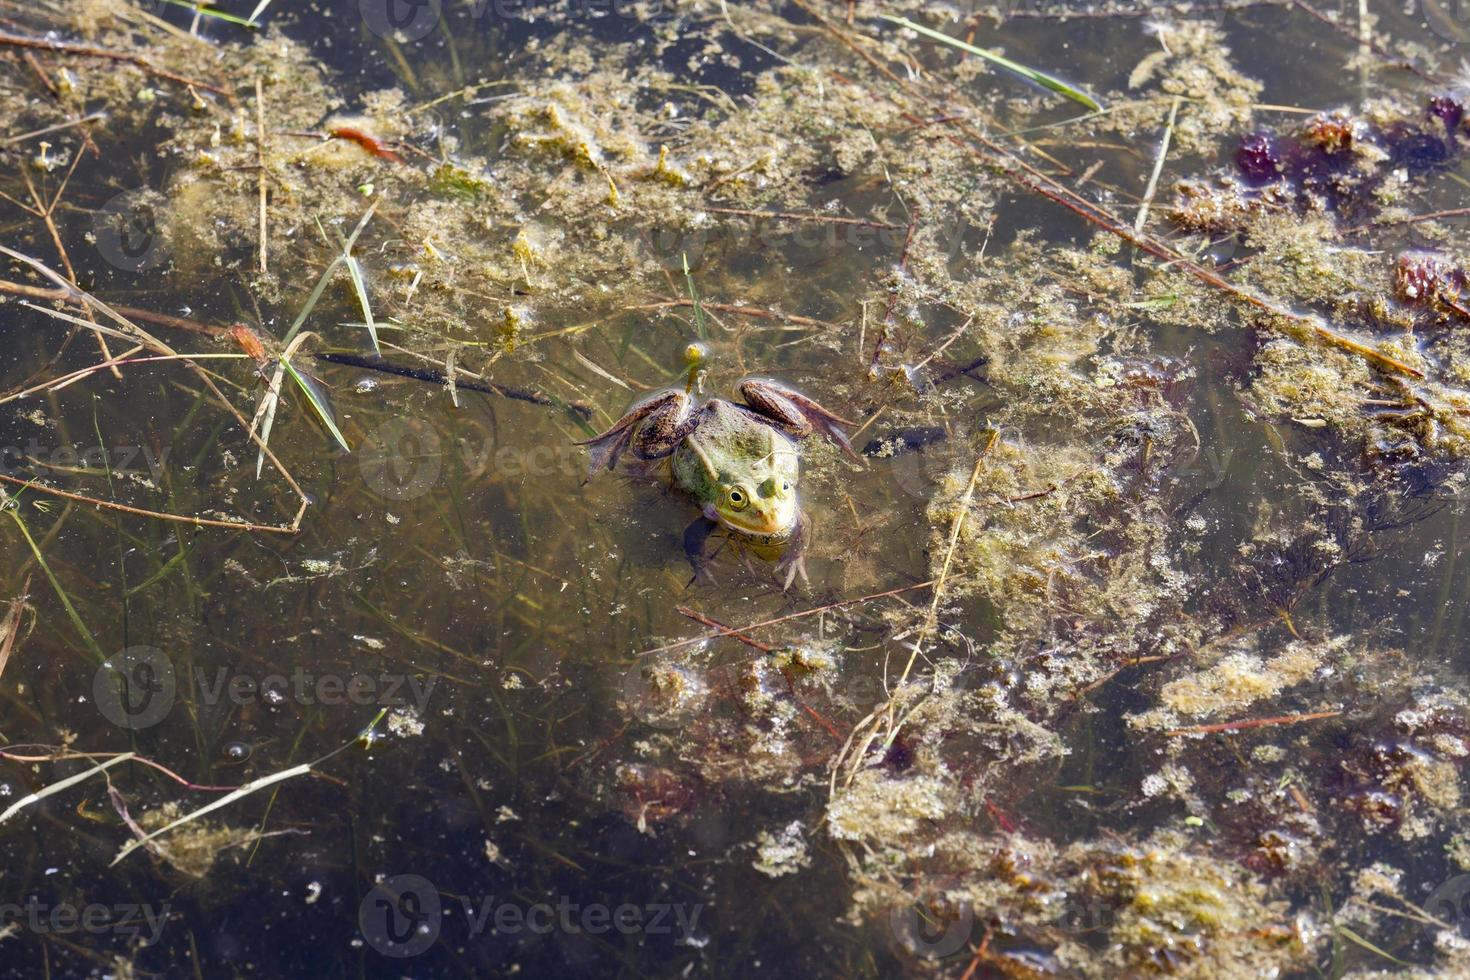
point(736, 497)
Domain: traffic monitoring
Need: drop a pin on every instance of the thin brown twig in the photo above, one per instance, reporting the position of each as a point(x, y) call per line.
point(87, 51)
point(754, 312)
point(1388, 56)
point(1235, 726)
point(9, 753)
point(66, 294)
point(931, 619)
point(133, 331)
point(1410, 220)
point(10, 623)
point(799, 216)
point(260, 134)
point(881, 345)
point(827, 607)
point(699, 617)
point(157, 515)
point(44, 212)
point(48, 130)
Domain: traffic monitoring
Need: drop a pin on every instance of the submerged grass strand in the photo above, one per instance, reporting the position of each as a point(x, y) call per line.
point(200, 10)
point(71, 610)
point(223, 801)
point(317, 400)
point(1030, 74)
point(65, 784)
point(10, 623)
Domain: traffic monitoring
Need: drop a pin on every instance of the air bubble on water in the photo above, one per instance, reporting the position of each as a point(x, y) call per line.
point(365, 385)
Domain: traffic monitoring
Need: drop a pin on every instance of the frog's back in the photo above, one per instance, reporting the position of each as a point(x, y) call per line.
point(729, 444)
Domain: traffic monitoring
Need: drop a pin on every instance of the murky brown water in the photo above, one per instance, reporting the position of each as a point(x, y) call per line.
point(568, 772)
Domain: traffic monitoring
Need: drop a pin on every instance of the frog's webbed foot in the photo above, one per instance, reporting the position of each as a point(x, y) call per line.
point(696, 536)
point(653, 428)
point(793, 558)
point(795, 413)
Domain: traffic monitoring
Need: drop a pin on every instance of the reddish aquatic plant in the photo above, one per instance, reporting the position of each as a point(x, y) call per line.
point(1333, 132)
point(1259, 158)
point(1422, 278)
point(1448, 110)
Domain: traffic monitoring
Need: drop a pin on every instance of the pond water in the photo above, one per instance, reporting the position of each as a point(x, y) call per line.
point(1134, 644)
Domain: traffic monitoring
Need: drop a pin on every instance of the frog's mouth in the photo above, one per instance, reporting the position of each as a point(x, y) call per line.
point(770, 528)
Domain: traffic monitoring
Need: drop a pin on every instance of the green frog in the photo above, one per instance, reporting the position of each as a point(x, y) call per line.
point(738, 461)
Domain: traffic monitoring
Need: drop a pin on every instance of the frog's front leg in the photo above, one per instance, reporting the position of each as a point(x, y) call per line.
point(653, 427)
point(797, 414)
point(696, 538)
point(793, 556)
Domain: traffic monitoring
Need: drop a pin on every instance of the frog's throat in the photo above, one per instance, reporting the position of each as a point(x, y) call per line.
point(758, 537)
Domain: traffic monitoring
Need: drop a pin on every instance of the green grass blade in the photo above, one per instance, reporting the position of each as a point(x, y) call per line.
point(318, 402)
point(311, 301)
point(359, 286)
point(64, 784)
point(71, 611)
point(1349, 934)
point(694, 299)
point(254, 18)
point(223, 801)
point(1031, 74)
point(265, 415)
point(203, 11)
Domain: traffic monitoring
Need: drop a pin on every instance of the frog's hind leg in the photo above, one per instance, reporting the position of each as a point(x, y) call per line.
point(665, 428)
point(795, 413)
point(646, 426)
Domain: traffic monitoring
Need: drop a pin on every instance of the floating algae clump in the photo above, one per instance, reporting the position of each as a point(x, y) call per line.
point(1235, 681)
point(1185, 913)
point(1138, 687)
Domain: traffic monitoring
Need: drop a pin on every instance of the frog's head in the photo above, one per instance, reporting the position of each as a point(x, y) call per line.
point(761, 509)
